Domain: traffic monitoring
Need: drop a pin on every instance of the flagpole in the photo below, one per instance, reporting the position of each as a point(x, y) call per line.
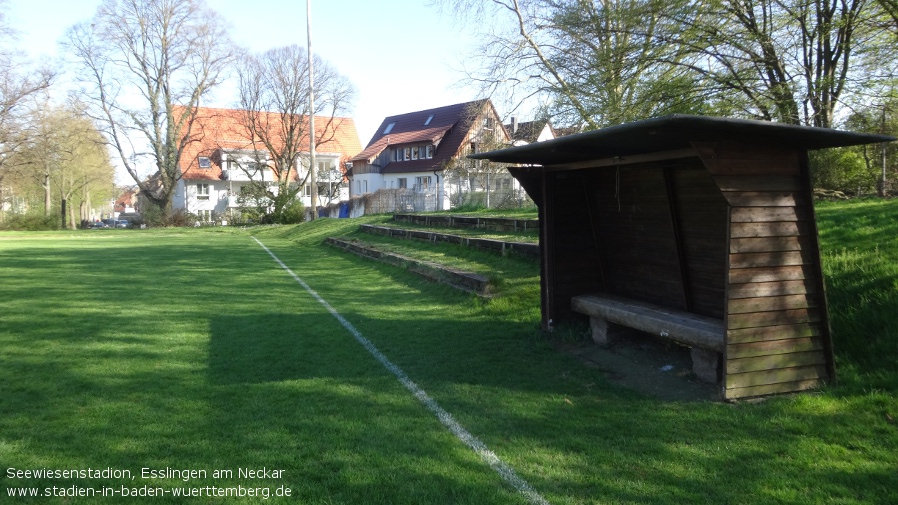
point(312, 164)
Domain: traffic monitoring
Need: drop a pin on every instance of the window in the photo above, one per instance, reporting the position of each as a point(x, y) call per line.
point(399, 153)
point(414, 153)
point(204, 215)
point(403, 183)
point(408, 153)
point(429, 119)
point(205, 162)
point(253, 168)
point(422, 183)
point(487, 123)
point(389, 128)
point(430, 151)
point(202, 191)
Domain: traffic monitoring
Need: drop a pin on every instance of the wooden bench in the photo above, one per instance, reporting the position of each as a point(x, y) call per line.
point(704, 335)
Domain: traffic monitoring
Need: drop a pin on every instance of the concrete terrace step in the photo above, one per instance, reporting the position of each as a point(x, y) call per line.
point(497, 246)
point(459, 279)
point(486, 223)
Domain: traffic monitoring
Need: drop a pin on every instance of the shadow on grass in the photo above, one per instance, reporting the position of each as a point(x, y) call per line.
point(229, 364)
point(594, 441)
point(259, 348)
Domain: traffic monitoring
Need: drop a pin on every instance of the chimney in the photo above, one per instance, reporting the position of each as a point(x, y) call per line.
point(514, 125)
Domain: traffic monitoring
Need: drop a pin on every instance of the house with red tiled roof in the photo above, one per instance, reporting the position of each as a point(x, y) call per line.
point(127, 201)
point(222, 161)
point(416, 150)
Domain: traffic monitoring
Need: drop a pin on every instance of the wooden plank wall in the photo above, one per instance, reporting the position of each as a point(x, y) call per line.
point(636, 232)
point(777, 334)
point(572, 264)
point(702, 222)
point(617, 232)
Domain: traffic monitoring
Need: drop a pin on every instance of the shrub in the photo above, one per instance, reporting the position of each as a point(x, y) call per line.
point(30, 222)
point(843, 169)
point(292, 213)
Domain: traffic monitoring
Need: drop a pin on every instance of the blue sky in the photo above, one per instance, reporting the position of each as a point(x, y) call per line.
point(402, 55)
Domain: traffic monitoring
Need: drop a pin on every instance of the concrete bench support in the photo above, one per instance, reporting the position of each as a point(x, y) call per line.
point(704, 335)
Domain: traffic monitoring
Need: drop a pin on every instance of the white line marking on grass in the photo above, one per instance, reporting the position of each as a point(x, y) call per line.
point(506, 472)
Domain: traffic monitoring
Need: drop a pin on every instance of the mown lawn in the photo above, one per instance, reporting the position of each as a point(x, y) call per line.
point(195, 350)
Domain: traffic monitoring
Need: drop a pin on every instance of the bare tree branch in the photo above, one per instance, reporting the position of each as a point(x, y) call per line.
point(140, 60)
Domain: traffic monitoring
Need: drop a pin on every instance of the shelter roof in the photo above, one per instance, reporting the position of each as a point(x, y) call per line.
point(670, 133)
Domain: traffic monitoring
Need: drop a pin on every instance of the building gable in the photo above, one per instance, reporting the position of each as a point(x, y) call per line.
point(426, 140)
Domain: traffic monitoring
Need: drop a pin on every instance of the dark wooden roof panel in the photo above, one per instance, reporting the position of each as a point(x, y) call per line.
point(671, 133)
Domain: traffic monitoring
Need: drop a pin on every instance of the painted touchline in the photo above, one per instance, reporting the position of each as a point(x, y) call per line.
point(503, 469)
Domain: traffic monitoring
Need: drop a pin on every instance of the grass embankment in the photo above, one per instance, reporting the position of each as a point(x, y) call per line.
point(194, 350)
point(859, 246)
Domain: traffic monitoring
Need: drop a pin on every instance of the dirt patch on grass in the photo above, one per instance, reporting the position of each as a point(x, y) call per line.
point(651, 366)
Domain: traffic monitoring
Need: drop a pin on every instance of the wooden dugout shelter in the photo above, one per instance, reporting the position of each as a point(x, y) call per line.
point(707, 223)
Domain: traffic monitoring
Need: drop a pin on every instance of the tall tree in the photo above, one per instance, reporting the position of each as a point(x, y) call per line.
point(65, 157)
point(139, 60)
point(614, 60)
point(891, 9)
point(789, 60)
point(19, 84)
point(595, 63)
point(274, 91)
point(608, 54)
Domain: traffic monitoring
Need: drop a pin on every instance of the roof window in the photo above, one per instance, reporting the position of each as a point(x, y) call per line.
point(389, 127)
point(429, 119)
point(205, 162)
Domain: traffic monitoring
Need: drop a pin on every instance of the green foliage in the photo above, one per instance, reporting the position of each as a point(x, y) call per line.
point(468, 207)
point(292, 213)
point(30, 222)
point(154, 216)
point(842, 169)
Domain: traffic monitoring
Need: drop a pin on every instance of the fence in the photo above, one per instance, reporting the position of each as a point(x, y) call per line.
point(384, 201)
point(490, 191)
point(388, 201)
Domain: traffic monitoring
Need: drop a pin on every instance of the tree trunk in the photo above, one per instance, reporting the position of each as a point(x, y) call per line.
point(72, 221)
point(47, 196)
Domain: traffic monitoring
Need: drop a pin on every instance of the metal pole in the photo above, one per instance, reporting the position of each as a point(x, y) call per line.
point(312, 164)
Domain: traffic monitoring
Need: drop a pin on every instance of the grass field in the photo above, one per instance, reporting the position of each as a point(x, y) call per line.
point(194, 350)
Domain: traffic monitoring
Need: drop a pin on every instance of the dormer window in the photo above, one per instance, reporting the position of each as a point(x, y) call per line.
point(389, 127)
point(205, 162)
point(430, 149)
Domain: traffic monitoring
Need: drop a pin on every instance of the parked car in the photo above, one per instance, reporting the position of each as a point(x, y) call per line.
point(122, 223)
point(97, 225)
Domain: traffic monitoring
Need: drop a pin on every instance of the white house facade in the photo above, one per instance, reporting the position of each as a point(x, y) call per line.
point(220, 170)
